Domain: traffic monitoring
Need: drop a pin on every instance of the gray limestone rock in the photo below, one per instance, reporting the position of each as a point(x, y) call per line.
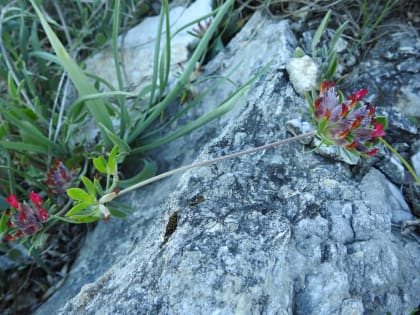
point(282, 231)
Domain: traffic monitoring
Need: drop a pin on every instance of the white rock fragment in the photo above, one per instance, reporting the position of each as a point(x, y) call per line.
point(302, 73)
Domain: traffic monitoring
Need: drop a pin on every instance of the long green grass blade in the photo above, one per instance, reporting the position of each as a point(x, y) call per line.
point(124, 117)
point(10, 170)
point(31, 133)
point(191, 104)
point(319, 32)
point(215, 113)
point(165, 60)
point(107, 94)
point(124, 147)
point(337, 36)
point(180, 84)
point(83, 85)
point(24, 147)
point(156, 55)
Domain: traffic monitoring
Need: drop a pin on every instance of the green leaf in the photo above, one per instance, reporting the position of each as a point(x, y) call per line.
point(117, 141)
point(215, 113)
point(322, 125)
point(332, 67)
point(98, 187)
point(77, 219)
point(45, 56)
point(29, 131)
point(319, 32)
point(298, 53)
point(100, 164)
point(100, 95)
point(13, 91)
point(125, 121)
point(148, 170)
point(337, 36)
point(184, 78)
point(101, 39)
point(113, 160)
point(76, 74)
point(310, 101)
point(80, 195)
point(3, 221)
point(165, 60)
point(77, 208)
point(117, 213)
point(90, 187)
point(24, 147)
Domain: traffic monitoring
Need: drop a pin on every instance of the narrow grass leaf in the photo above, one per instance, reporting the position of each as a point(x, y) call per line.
point(80, 80)
point(319, 32)
point(98, 187)
point(215, 113)
point(337, 36)
point(43, 55)
point(24, 147)
point(332, 67)
point(117, 141)
point(155, 70)
point(30, 132)
point(106, 94)
point(117, 213)
point(165, 60)
point(125, 122)
point(3, 222)
point(148, 170)
point(189, 68)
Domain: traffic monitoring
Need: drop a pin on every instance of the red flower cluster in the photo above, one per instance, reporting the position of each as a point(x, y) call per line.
point(348, 124)
point(24, 220)
point(59, 178)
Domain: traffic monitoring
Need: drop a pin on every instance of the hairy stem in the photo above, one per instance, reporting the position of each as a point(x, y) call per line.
point(153, 179)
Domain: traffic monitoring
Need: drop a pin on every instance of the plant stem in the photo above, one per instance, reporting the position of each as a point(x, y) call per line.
point(215, 160)
point(403, 161)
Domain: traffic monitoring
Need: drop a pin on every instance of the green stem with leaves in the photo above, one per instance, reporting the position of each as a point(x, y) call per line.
point(403, 161)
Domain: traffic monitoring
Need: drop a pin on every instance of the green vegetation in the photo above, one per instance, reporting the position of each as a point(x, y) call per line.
point(43, 46)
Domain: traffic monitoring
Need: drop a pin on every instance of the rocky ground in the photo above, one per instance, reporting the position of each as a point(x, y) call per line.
point(282, 231)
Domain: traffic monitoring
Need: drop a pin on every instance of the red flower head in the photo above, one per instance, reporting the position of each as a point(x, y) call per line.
point(35, 198)
point(23, 219)
point(350, 124)
point(12, 200)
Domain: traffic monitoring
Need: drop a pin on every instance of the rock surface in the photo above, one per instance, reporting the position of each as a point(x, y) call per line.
point(282, 231)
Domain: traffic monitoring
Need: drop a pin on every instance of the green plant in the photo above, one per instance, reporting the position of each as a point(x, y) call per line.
point(41, 49)
point(373, 13)
point(25, 116)
point(35, 149)
point(328, 53)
